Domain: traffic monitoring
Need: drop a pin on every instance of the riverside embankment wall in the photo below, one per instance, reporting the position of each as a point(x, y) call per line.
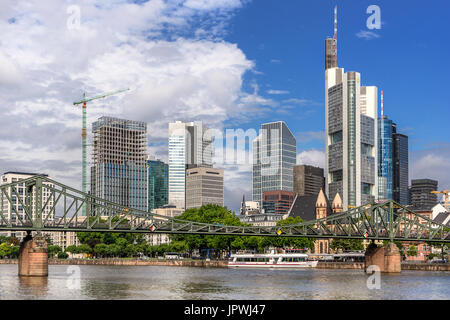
point(221, 264)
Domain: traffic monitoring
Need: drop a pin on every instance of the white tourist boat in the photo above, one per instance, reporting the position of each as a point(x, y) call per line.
point(272, 260)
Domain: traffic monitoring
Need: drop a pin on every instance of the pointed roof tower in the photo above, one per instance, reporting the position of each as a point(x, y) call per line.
point(321, 200)
point(337, 202)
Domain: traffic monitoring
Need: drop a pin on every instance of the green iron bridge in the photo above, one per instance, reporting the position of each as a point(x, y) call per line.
point(44, 205)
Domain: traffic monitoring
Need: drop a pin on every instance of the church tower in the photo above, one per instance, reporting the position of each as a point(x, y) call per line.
point(337, 204)
point(321, 246)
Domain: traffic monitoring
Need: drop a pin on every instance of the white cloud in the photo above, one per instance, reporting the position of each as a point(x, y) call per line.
point(368, 35)
point(312, 157)
point(10, 74)
point(174, 72)
point(301, 102)
point(432, 163)
point(277, 91)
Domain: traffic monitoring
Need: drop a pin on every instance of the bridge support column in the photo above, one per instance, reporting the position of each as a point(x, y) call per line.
point(392, 259)
point(33, 257)
point(386, 258)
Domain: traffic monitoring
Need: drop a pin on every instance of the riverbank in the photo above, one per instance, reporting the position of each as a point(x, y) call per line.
point(220, 263)
point(132, 262)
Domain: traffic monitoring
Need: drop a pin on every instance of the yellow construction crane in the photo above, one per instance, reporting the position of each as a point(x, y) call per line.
point(446, 197)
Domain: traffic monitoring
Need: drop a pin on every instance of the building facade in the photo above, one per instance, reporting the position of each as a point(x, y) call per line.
point(262, 219)
point(351, 138)
point(308, 180)
point(420, 192)
point(385, 158)
point(277, 202)
point(250, 207)
point(158, 184)
point(400, 167)
point(274, 156)
point(190, 145)
point(204, 186)
point(119, 171)
point(14, 212)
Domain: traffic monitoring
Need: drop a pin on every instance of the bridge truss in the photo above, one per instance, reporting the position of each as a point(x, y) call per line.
point(41, 204)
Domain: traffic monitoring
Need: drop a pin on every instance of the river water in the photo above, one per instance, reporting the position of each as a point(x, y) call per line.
point(154, 282)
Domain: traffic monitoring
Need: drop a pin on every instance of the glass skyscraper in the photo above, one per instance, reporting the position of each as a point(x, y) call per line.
point(351, 138)
point(158, 184)
point(190, 145)
point(385, 159)
point(274, 156)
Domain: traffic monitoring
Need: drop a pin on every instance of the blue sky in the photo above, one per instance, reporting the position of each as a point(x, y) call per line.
point(230, 63)
point(408, 60)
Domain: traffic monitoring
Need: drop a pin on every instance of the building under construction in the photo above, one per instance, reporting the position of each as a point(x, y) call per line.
point(118, 173)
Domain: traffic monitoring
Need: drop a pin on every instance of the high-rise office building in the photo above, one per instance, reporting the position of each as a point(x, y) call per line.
point(308, 180)
point(421, 196)
point(400, 167)
point(351, 138)
point(204, 185)
point(119, 171)
point(274, 156)
point(351, 144)
point(158, 183)
point(385, 158)
point(190, 145)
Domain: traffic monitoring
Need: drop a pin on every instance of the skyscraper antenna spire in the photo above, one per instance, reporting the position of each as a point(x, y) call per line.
point(335, 23)
point(382, 104)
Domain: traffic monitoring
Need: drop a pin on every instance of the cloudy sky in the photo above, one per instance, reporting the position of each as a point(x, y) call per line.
point(230, 63)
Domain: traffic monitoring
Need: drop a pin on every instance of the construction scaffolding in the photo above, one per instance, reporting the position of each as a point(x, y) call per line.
point(119, 158)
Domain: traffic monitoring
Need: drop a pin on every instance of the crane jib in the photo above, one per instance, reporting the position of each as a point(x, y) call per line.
point(100, 96)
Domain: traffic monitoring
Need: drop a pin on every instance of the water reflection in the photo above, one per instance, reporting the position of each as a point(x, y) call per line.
point(147, 282)
point(105, 290)
point(36, 287)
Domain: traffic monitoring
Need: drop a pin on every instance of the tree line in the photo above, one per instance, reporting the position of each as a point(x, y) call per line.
point(123, 245)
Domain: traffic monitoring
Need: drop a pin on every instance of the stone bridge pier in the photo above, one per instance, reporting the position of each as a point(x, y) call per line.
point(387, 258)
point(33, 256)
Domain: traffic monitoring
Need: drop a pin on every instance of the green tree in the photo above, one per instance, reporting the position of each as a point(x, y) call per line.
point(3, 239)
point(212, 214)
point(101, 250)
point(113, 250)
point(5, 250)
point(62, 255)
point(84, 248)
point(73, 249)
point(347, 244)
point(412, 251)
point(131, 250)
point(90, 238)
point(14, 252)
point(53, 250)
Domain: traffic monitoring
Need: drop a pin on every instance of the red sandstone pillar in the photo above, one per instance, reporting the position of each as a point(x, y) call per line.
point(392, 259)
point(33, 257)
point(374, 256)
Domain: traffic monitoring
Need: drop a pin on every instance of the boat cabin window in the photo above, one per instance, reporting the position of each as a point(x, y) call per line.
point(241, 259)
point(294, 259)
